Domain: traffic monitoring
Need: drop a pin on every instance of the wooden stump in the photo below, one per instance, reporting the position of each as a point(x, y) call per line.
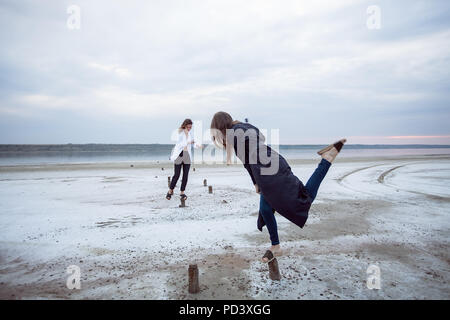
point(204, 183)
point(210, 189)
point(193, 169)
point(274, 272)
point(183, 204)
point(168, 181)
point(193, 279)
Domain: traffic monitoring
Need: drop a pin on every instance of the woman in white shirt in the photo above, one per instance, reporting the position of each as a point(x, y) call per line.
point(181, 156)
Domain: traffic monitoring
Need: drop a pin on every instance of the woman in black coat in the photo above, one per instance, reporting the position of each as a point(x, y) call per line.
point(279, 188)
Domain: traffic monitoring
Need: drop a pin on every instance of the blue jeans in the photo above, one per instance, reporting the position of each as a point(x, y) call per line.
point(312, 186)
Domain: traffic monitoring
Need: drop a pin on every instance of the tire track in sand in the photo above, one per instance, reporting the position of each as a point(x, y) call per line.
point(340, 179)
point(384, 174)
point(381, 179)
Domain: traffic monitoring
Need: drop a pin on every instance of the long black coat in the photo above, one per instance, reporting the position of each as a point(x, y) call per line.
point(285, 193)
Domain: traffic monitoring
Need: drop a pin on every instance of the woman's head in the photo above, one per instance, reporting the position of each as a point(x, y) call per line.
point(186, 125)
point(219, 125)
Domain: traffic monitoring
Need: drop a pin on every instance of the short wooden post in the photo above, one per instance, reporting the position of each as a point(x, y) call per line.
point(205, 183)
point(209, 189)
point(274, 272)
point(193, 279)
point(183, 204)
point(193, 169)
point(168, 181)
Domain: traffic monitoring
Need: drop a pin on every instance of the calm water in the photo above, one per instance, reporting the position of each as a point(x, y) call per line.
point(92, 153)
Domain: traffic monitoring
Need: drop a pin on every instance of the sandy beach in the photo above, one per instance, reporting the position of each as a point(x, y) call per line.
point(113, 221)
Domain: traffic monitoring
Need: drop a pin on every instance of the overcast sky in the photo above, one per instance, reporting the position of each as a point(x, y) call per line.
point(312, 69)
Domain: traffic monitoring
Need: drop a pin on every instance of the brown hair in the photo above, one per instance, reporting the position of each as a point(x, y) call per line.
point(185, 123)
point(220, 122)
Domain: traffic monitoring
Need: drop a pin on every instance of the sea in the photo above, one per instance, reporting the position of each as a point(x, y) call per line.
point(40, 154)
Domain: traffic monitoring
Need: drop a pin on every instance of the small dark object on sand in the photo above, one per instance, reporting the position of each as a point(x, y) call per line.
point(209, 189)
point(193, 279)
point(204, 182)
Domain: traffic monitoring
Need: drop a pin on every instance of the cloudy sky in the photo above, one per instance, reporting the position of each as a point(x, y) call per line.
point(312, 69)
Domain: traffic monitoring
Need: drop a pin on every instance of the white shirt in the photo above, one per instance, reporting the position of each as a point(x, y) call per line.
point(182, 142)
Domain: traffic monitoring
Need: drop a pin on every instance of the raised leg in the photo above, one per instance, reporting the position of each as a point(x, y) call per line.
point(316, 178)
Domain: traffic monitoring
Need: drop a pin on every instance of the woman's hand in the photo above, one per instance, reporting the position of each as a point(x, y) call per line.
point(257, 189)
point(196, 146)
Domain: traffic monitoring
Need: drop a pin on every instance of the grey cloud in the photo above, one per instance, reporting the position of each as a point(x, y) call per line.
point(274, 63)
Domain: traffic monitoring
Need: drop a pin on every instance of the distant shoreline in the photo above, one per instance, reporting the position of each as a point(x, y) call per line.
point(133, 165)
point(10, 146)
point(102, 154)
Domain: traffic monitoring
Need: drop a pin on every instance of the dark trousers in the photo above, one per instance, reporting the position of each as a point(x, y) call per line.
point(312, 186)
point(183, 161)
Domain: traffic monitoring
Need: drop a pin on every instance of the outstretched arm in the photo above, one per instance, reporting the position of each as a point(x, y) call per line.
point(197, 145)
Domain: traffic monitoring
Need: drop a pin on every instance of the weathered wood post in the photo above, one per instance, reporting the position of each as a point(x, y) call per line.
point(168, 181)
point(209, 189)
point(193, 279)
point(274, 272)
point(193, 169)
point(183, 204)
point(205, 183)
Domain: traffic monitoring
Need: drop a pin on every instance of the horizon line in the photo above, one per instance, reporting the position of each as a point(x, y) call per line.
point(281, 144)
